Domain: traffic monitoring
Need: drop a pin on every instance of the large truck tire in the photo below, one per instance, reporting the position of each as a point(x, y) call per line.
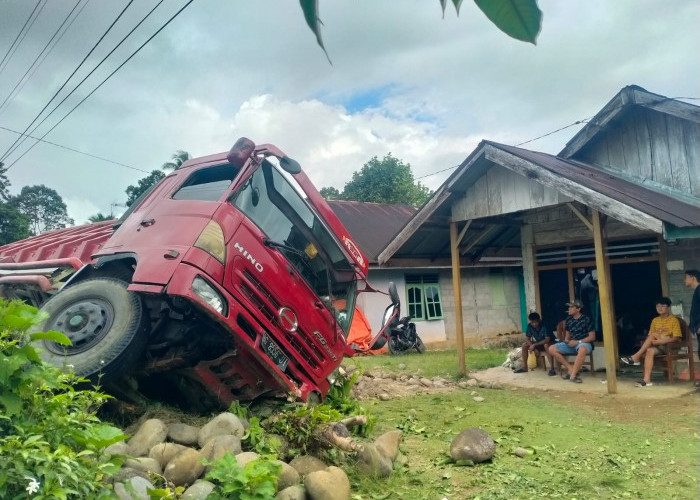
point(105, 323)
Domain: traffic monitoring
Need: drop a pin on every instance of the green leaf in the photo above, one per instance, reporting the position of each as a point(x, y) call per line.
point(53, 336)
point(310, 9)
point(519, 19)
point(457, 4)
point(12, 403)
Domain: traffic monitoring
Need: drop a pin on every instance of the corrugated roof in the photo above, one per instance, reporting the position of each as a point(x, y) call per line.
point(372, 225)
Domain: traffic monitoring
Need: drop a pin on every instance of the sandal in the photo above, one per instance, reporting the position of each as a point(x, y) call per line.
point(552, 372)
point(520, 370)
point(577, 380)
point(641, 383)
point(566, 376)
point(628, 360)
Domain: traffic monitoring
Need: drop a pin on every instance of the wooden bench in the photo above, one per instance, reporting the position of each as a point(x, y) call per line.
point(675, 351)
point(588, 361)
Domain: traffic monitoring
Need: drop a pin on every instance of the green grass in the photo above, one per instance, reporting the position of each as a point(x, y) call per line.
point(579, 451)
point(432, 363)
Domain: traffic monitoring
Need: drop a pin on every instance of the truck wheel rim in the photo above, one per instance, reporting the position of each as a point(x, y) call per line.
point(85, 323)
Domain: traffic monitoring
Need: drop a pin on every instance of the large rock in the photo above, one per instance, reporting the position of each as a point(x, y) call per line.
point(144, 464)
point(292, 493)
point(164, 452)
point(388, 444)
point(120, 448)
point(151, 432)
point(288, 477)
point(183, 434)
point(472, 444)
point(200, 490)
point(222, 424)
point(218, 446)
point(185, 467)
point(133, 489)
point(372, 463)
point(329, 484)
point(245, 457)
point(306, 464)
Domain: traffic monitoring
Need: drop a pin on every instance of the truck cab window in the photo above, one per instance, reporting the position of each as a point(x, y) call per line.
point(207, 184)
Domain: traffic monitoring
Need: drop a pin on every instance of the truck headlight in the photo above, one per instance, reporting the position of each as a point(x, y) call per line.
point(208, 294)
point(211, 240)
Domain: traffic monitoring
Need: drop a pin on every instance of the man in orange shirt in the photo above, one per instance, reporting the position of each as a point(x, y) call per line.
point(664, 329)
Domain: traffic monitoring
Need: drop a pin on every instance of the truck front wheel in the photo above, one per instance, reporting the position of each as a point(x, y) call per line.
point(105, 324)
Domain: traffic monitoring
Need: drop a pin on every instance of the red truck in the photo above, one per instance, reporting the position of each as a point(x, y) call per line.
point(230, 279)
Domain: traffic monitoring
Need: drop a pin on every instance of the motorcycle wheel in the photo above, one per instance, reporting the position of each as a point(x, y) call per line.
point(394, 347)
point(420, 346)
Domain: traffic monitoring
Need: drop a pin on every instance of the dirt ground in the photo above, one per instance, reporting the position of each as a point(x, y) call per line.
point(680, 398)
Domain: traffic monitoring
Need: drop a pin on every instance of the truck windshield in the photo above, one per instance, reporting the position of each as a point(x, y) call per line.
point(271, 202)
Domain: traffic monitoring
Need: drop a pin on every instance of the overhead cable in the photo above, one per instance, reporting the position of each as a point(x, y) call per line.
point(44, 57)
point(103, 82)
point(31, 66)
point(18, 142)
point(11, 51)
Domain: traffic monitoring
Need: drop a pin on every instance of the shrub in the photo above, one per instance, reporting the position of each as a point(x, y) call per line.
point(51, 441)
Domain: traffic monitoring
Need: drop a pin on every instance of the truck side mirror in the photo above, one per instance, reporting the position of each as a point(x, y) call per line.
point(240, 152)
point(289, 165)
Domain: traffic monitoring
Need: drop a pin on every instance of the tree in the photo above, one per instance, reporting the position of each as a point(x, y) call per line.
point(133, 192)
point(331, 193)
point(44, 208)
point(4, 184)
point(14, 225)
point(388, 180)
point(519, 19)
point(99, 217)
point(176, 160)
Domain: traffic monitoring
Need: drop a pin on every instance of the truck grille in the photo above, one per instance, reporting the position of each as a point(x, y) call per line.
point(268, 306)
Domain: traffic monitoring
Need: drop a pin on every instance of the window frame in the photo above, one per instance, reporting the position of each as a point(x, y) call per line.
point(423, 283)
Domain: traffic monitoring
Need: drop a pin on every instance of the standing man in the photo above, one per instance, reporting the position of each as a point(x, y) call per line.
point(578, 340)
point(664, 330)
point(691, 279)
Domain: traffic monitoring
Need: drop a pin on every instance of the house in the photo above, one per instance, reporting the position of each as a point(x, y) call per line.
point(613, 219)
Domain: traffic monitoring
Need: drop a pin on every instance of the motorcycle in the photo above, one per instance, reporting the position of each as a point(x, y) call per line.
point(398, 334)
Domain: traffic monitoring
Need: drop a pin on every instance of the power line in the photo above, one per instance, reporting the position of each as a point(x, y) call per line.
point(46, 55)
point(2, 68)
point(42, 51)
point(76, 151)
point(23, 137)
point(18, 34)
point(103, 81)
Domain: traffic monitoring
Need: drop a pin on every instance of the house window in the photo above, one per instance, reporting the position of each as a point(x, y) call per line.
point(423, 297)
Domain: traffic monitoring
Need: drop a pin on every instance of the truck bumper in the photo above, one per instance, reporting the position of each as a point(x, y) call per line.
point(251, 361)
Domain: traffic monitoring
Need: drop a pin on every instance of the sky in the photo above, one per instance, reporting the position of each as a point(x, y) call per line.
point(403, 80)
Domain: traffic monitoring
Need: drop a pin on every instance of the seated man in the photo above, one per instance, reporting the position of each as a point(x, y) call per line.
point(538, 338)
point(578, 340)
point(665, 329)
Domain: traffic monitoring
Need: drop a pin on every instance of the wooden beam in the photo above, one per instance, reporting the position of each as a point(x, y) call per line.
point(457, 286)
point(587, 196)
point(477, 239)
point(607, 311)
point(663, 270)
point(463, 231)
point(578, 214)
point(422, 216)
point(527, 244)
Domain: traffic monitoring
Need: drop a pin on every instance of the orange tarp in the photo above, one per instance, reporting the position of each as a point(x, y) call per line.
point(361, 333)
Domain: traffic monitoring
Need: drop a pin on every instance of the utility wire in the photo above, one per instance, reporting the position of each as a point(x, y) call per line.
point(77, 151)
point(103, 82)
point(23, 137)
point(2, 68)
point(42, 51)
point(18, 34)
point(7, 105)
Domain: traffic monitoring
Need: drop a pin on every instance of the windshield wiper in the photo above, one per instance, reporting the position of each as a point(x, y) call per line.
point(276, 244)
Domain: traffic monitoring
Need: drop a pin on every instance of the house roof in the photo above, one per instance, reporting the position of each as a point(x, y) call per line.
point(632, 95)
point(372, 225)
point(426, 235)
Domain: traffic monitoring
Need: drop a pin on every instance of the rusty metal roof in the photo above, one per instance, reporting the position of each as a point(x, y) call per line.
point(372, 225)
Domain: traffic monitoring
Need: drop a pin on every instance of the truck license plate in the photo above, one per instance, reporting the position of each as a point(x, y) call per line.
point(274, 352)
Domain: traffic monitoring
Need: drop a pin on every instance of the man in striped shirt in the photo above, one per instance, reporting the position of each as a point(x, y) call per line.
point(665, 329)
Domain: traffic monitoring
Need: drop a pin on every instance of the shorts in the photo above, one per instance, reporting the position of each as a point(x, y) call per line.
point(660, 349)
point(567, 350)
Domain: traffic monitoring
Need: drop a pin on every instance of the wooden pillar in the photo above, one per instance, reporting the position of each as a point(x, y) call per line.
point(607, 312)
point(527, 243)
point(457, 286)
point(663, 270)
